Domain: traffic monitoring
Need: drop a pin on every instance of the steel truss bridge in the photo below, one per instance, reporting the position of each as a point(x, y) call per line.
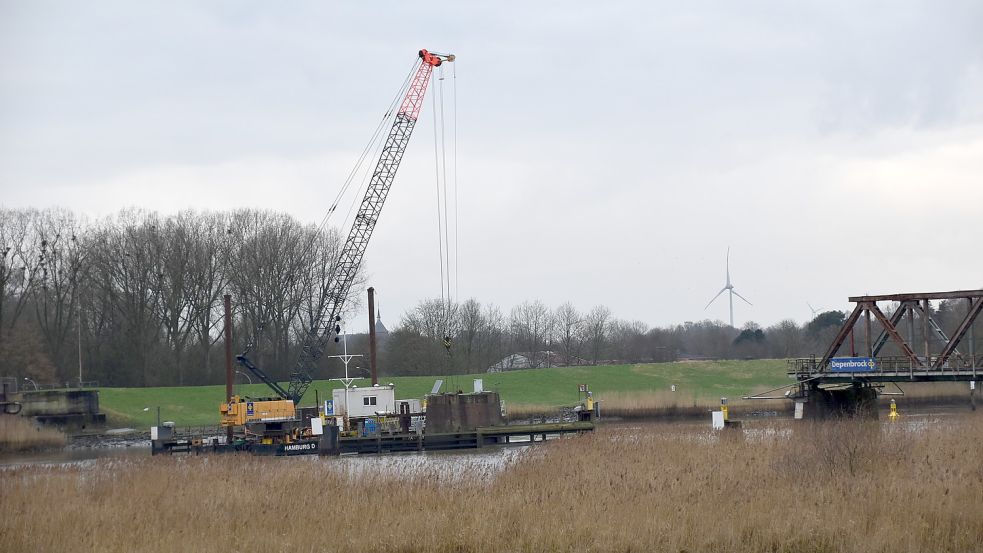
point(927, 352)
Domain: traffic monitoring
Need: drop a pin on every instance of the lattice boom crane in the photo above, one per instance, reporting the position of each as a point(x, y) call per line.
point(358, 238)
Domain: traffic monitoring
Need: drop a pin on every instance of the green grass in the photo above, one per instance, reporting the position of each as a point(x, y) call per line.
point(198, 405)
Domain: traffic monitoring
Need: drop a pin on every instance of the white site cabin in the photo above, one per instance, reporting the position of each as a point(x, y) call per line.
point(378, 400)
point(365, 402)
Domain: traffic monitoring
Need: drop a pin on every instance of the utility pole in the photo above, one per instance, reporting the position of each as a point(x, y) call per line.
point(228, 358)
point(80, 341)
point(372, 359)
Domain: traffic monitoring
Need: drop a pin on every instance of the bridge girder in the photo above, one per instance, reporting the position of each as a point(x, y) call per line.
point(909, 306)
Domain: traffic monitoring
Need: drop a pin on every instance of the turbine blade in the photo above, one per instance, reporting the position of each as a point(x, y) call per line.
point(742, 297)
point(722, 290)
point(728, 264)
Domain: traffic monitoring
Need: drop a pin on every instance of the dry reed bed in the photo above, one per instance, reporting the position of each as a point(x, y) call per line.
point(19, 434)
point(642, 405)
point(668, 406)
point(935, 393)
point(789, 488)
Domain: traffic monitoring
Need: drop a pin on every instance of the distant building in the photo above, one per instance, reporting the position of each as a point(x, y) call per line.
point(380, 329)
point(511, 363)
point(536, 360)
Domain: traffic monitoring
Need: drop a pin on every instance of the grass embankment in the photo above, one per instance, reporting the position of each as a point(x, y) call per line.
point(543, 389)
point(834, 487)
point(18, 434)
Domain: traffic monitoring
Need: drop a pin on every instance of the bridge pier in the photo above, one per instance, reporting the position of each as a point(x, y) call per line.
point(856, 401)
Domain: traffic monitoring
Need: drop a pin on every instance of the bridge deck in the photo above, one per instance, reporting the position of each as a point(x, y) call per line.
point(908, 375)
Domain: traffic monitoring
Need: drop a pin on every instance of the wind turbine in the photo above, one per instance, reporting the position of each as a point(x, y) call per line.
point(728, 288)
point(814, 309)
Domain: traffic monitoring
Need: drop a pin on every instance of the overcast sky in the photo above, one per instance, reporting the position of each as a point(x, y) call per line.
point(609, 152)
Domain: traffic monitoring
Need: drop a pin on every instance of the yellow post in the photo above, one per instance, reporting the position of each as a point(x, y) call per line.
point(893, 416)
point(723, 408)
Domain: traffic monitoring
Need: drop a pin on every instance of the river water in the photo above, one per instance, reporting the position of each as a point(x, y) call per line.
point(90, 449)
point(448, 463)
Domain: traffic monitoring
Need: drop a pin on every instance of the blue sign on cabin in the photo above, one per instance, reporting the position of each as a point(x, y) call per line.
point(329, 407)
point(249, 408)
point(852, 364)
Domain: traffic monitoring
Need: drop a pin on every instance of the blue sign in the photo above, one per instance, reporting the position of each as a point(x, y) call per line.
point(249, 408)
point(852, 364)
point(329, 407)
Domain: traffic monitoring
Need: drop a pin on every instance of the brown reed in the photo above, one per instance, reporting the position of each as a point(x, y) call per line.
point(663, 405)
point(20, 434)
point(778, 487)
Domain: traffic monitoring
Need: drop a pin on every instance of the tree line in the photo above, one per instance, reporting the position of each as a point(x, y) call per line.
point(137, 299)
point(532, 334)
point(484, 337)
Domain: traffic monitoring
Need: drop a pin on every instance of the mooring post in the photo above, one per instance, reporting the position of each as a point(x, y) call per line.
point(228, 359)
point(372, 359)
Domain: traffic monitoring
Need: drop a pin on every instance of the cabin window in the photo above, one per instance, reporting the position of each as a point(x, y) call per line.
point(368, 400)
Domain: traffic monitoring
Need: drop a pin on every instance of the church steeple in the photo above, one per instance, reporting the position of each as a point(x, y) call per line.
point(380, 329)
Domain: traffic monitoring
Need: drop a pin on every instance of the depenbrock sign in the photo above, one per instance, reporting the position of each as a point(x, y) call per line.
point(852, 364)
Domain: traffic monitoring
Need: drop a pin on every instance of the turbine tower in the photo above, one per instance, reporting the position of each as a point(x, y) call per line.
point(728, 288)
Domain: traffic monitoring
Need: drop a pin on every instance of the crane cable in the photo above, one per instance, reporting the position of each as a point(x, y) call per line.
point(457, 280)
point(371, 151)
point(372, 146)
point(443, 206)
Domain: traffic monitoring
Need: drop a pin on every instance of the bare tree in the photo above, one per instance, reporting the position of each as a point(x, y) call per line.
point(124, 264)
point(18, 265)
point(627, 340)
point(60, 265)
point(209, 277)
point(785, 339)
point(530, 323)
point(569, 321)
point(173, 245)
point(493, 342)
point(595, 331)
point(266, 265)
point(421, 333)
point(471, 324)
